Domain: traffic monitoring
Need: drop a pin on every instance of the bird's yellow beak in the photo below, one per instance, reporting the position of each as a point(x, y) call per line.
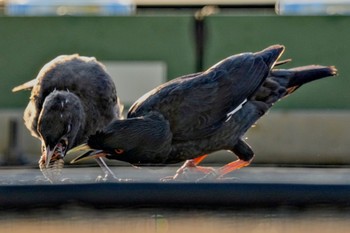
point(84, 152)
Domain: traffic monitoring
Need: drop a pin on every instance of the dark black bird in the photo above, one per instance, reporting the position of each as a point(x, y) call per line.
point(72, 97)
point(193, 115)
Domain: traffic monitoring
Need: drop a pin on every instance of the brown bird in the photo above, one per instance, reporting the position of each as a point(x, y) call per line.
point(197, 114)
point(71, 98)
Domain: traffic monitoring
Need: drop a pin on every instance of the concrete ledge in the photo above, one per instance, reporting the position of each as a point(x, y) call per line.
point(135, 78)
point(248, 187)
point(28, 143)
point(28, 146)
point(307, 137)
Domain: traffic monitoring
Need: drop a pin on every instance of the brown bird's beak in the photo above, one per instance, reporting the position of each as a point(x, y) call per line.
point(55, 153)
point(48, 155)
point(84, 152)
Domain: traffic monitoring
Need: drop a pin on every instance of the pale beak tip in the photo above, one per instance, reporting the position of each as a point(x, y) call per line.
point(48, 156)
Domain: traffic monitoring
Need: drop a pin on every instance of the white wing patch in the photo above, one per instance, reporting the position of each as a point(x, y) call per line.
point(230, 114)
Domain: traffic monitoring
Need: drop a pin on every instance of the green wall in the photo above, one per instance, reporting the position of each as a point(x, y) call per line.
point(26, 43)
point(308, 40)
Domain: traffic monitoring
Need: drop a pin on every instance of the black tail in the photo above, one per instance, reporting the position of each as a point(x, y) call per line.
point(301, 75)
point(305, 74)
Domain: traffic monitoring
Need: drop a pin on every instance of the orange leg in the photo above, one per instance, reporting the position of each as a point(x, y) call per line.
point(232, 166)
point(199, 159)
point(196, 161)
point(192, 164)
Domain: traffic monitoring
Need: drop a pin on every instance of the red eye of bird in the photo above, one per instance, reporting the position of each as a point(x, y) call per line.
point(119, 151)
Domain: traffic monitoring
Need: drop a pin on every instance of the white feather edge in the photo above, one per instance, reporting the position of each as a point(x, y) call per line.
point(230, 114)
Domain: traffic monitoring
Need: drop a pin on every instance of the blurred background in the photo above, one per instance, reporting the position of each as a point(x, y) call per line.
point(144, 43)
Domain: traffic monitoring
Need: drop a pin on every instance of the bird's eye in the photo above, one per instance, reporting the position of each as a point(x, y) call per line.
point(119, 151)
point(69, 128)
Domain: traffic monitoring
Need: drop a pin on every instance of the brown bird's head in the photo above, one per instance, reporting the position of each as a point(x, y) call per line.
point(59, 122)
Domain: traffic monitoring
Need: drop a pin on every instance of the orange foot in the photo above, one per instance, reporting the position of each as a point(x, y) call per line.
point(190, 170)
point(231, 167)
point(218, 174)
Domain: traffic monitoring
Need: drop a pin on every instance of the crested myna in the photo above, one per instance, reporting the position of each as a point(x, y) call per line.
point(197, 114)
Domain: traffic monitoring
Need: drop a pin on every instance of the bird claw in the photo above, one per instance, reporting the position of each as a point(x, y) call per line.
point(215, 176)
point(66, 181)
point(179, 176)
point(189, 174)
point(100, 179)
point(211, 176)
point(46, 180)
point(110, 178)
point(52, 173)
point(186, 174)
point(42, 180)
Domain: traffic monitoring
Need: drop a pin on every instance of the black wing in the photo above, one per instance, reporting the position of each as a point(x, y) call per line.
point(197, 105)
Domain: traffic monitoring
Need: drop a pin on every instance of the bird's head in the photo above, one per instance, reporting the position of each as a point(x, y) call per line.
point(58, 125)
point(139, 140)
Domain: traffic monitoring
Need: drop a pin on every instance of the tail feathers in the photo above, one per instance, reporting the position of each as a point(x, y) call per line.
point(310, 73)
point(301, 75)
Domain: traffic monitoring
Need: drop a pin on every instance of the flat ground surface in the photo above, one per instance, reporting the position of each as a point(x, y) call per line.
point(280, 175)
point(254, 199)
point(250, 186)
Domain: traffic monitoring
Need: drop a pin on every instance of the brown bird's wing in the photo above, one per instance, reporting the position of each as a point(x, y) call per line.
point(26, 86)
point(83, 76)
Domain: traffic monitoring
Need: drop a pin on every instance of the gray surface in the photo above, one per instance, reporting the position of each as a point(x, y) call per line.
point(251, 187)
point(281, 175)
